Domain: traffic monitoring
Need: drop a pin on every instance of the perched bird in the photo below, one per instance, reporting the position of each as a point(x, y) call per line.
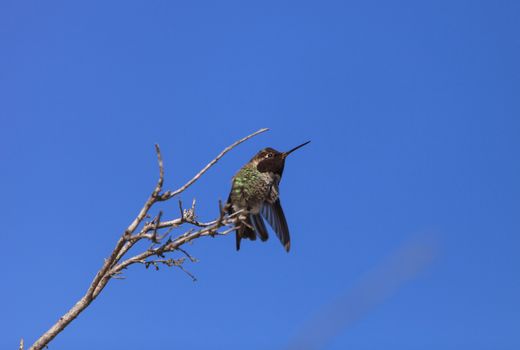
point(254, 192)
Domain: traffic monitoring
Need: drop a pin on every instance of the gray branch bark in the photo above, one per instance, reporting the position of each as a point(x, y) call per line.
point(158, 232)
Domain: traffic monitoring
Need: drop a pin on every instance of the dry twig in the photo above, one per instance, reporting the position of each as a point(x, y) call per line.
point(162, 242)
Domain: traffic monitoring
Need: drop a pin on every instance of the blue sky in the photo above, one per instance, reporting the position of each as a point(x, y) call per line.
point(413, 112)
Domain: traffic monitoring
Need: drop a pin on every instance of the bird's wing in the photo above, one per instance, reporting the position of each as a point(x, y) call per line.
point(273, 213)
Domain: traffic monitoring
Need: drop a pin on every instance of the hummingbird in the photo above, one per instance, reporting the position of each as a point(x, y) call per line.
point(255, 193)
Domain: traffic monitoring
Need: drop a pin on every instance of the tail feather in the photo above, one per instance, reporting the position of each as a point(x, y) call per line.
point(230, 211)
point(246, 230)
point(249, 228)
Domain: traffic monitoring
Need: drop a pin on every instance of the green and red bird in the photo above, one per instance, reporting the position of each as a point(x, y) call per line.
point(255, 193)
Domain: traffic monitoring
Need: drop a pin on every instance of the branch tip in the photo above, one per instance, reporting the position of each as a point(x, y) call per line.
point(213, 162)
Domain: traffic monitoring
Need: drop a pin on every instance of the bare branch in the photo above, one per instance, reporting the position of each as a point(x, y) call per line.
point(169, 194)
point(192, 259)
point(180, 266)
point(112, 266)
point(169, 263)
point(172, 245)
point(153, 197)
point(123, 243)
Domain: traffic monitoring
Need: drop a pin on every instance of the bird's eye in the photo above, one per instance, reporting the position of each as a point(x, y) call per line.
point(269, 155)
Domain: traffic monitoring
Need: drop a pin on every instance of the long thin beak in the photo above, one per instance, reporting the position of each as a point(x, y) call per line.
point(285, 154)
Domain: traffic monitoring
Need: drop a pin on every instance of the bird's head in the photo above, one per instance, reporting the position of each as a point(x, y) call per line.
point(270, 160)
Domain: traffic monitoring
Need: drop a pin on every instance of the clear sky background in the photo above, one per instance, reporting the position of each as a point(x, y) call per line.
point(413, 111)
